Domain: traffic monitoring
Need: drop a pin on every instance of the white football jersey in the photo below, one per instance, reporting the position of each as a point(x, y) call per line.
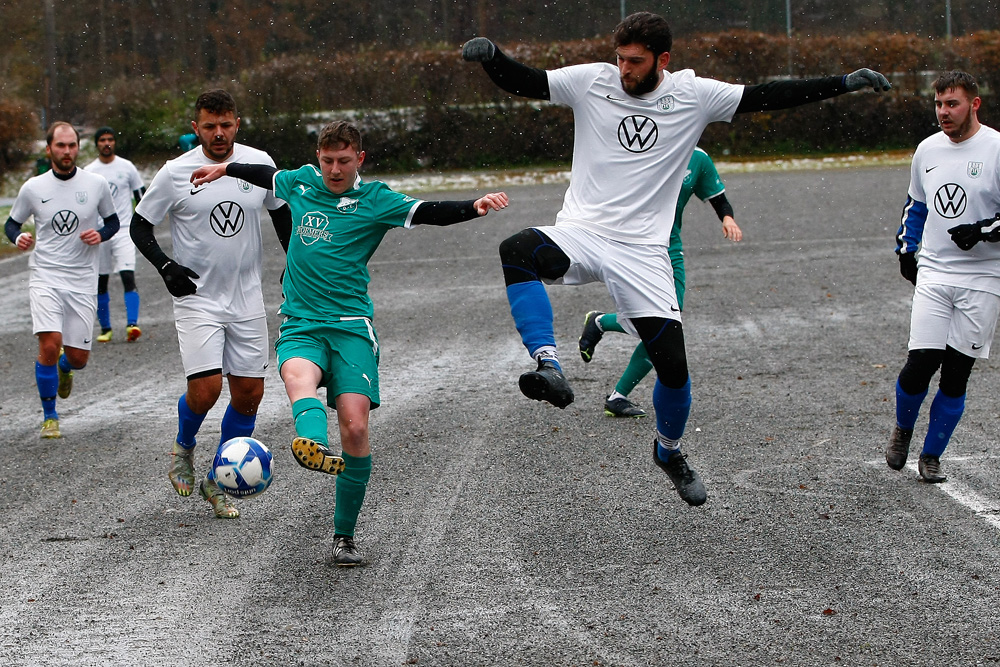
point(630, 154)
point(216, 232)
point(62, 210)
point(960, 183)
point(124, 179)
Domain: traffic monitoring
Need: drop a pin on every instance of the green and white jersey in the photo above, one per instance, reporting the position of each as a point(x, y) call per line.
point(702, 180)
point(333, 237)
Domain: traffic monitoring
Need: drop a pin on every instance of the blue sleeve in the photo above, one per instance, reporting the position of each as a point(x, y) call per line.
point(13, 229)
point(911, 229)
point(110, 228)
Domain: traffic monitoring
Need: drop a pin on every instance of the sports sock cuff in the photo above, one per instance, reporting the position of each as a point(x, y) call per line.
point(47, 380)
point(188, 423)
point(235, 424)
point(356, 468)
point(532, 312)
point(309, 416)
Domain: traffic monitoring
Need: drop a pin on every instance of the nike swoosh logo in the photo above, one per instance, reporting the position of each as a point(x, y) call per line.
point(930, 169)
point(196, 191)
point(614, 99)
point(674, 310)
point(976, 347)
point(46, 201)
point(86, 341)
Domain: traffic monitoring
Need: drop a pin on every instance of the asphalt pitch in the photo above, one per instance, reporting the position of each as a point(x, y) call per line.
point(502, 531)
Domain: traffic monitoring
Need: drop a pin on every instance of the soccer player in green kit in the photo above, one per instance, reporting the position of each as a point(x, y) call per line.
point(327, 338)
point(702, 180)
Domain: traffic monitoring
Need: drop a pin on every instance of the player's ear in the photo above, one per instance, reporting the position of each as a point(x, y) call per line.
point(237, 124)
point(662, 60)
point(194, 126)
point(361, 158)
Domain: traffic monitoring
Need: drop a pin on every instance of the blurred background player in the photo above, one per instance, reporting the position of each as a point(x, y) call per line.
point(702, 179)
point(954, 177)
point(215, 281)
point(118, 254)
point(327, 338)
point(67, 205)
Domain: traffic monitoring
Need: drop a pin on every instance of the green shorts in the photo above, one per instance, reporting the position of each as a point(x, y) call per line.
point(346, 351)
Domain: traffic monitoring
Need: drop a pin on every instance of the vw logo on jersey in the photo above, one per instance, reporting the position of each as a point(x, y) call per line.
point(637, 134)
point(114, 189)
point(347, 205)
point(243, 185)
point(227, 219)
point(950, 201)
point(313, 227)
point(65, 223)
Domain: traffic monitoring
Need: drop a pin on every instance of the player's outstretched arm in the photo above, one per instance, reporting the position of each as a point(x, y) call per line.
point(208, 173)
point(968, 235)
point(790, 93)
point(261, 175)
point(177, 278)
point(507, 73)
point(443, 213)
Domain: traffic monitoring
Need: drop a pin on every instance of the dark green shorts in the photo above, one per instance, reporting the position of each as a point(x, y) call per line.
point(345, 350)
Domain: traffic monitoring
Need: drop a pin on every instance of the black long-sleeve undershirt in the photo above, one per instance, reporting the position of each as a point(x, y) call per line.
point(722, 206)
point(517, 78)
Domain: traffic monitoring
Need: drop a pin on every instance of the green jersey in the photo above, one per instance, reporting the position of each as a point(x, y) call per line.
point(702, 179)
point(333, 237)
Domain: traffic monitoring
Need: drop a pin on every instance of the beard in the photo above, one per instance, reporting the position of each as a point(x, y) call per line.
point(644, 85)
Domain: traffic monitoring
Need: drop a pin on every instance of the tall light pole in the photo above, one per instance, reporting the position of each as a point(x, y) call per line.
point(50, 94)
point(788, 32)
point(947, 19)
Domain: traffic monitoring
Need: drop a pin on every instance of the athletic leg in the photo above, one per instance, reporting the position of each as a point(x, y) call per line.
point(911, 390)
point(946, 411)
point(132, 330)
point(104, 308)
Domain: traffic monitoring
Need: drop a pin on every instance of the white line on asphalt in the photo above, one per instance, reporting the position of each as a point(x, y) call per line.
point(987, 509)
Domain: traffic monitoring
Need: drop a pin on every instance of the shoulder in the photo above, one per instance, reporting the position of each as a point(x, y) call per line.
point(90, 166)
point(251, 155)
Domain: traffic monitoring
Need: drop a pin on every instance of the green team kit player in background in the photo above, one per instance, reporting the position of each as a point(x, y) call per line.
point(702, 179)
point(327, 338)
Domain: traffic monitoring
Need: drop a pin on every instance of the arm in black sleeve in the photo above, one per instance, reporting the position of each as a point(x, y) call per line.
point(261, 175)
point(12, 228)
point(789, 93)
point(138, 194)
point(110, 228)
point(281, 218)
point(517, 79)
point(141, 231)
point(443, 213)
point(722, 206)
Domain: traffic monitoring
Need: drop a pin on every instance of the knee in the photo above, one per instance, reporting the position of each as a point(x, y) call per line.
point(920, 367)
point(128, 281)
point(955, 371)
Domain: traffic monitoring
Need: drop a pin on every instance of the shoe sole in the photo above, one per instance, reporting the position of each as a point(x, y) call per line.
point(311, 455)
point(609, 413)
point(587, 353)
point(536, 387)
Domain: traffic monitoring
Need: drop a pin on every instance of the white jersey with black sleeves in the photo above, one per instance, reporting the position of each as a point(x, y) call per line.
point(630, 154)
point(124, 179)
point(62, 209)
point(215, 230)
point(960, 183)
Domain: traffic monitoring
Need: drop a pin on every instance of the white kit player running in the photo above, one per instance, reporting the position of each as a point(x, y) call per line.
point(635, 128)
point(118, 255)
point(68, 205)
point(215, 279)
point(953, 203)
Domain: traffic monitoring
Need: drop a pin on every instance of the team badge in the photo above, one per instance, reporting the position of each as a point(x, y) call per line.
point(81, 197)
point(637, 134)
point(666, 103)
point(243, 185)
point(347, 205)
point(313, 228)
point(975, 169)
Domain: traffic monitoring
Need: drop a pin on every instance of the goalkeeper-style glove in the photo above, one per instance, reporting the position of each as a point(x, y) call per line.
point(968, 235)
point(478, 49)
point(908, 266)
point(178, 279)
point(863, 78)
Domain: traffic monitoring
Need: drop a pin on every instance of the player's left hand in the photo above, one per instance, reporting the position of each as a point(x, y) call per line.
point(208, 173)
point(24, 241)
point(863, 78)
point(493, 201)
point(90, 236)
point(478, 49)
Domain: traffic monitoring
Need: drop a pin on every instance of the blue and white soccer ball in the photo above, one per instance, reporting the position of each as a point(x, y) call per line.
point(243, 467)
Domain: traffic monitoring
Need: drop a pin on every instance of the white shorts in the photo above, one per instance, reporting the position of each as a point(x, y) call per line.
point(70, 313)
point(639, 278)
point(238, 348)
point(117, 254)
point(960, 317)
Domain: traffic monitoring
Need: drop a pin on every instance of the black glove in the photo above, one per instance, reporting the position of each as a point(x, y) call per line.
point(864, 78)
point(968, 235)
point(478, 49)
point(908, 266)
point(178, 279)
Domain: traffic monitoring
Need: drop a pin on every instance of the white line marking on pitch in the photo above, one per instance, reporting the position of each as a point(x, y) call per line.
point(987, 509)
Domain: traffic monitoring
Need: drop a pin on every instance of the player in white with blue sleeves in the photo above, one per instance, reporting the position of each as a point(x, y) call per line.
point(68, 205)
point(952, 204)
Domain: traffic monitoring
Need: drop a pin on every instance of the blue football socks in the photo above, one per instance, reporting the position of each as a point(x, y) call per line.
point(907, 407)
point(235, 424)
point(672, 407)
point(532, 313)
point(188, 423)
point(47, 379)
point(131, 308)
point(944, 416)
point(104, 310)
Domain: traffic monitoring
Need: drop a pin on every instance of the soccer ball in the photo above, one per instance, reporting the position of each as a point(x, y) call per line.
point(243, 467)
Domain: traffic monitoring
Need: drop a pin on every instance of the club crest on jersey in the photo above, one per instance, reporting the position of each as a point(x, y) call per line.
point(950, 201)
point(637, 134)
point(65, 223)
point(313, 227)
point(81, 197)
point(975, 169)
point(227, 219)
point(347, 205)
point(243, 185)
point(666, 103)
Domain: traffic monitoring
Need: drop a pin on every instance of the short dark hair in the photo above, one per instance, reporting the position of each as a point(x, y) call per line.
point(101, 131)
point(957, 79)
point(51, 133)
point(339, 134)
point(646, 28)
point(216, 102)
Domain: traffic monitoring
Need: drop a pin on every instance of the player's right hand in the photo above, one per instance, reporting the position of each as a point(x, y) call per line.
point(908, 266)
point(24, 241)
point(479, 50)
point(178, 279)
